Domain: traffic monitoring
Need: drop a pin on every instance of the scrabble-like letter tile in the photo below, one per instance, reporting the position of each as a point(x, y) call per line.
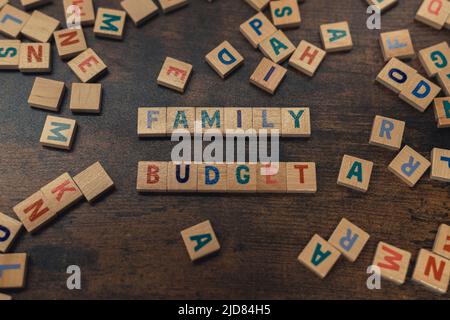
point(355, 173)
point(174, 74)
point(200, 240)
point(151, 122)
point(271, 177)
point(224, 59)
point(241, 177)
point(9, 54)
point(87, 66)
point(171, 5)
point(336, 37)
point(9, 229)
point(409, 166)
point(35, 57)
point(307, 58)
point(151, 176)
point(277, 47)
point(62, 193)
point(432, 271)
point(268, 76)
point(396, 75)
point(179, 118)
point(387, 133)
point(257, 28)
point(69, 42)
point(444, 80)
point(40, 27)
point(295, 122)
point(267, 119)
point(93, 181)
point(238, 118)
point(442, 112)
point(393, 262)
point(258, 5)
point(212, 177)
point(301, 177)
point(86, 8)
point(396, 44)
point(139, 10)
point(86, 97)
point(181, 177)
point(440, 164)
point(58, 133)
point(349, 239)
point(110, 23)
point(30, 4)
point(383, 5)
point(285, 13)
point(435, 58)
point(434, 13)
point(442, 241)
point(34, 211)
point(13, 268)
point(46, 94)
point(210, 118)
point(419, 93)
point(12, 20)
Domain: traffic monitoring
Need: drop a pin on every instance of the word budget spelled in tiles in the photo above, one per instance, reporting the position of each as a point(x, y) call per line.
point(69, 42)
point(87, 66)
point(434, 13)
point(258, 5)
point(58, 133)
point(393, 262)
point(9, 54)
point(181, 177)
point(83, 8)
point(9, 229)
point(268, 75)
point(241, 177)
point(396, 75)
point(139, 10)
point(440, 164)
point(442, 242)
point(277, 47)
point(93, 181)
point(86, 97)
point(35, 57)
point(409, 166)
point(40, 27)
point(110, 23)
point(387, 133)
point(13, 267)
point(336, 37)
point(396, 44)
point(301, 177)
point(210, 118)
point(212, 177)
point(319, 256)
point(432, 271)
point(46, 94)
point(12, 21)
point(171, 5)
point(200, 240)
point(435, 58)
point(442, 112)
point(151, 122)
point(271, 177)
point(355, 173)
point(34, 211)
point(285, 13)
point(238, 119)
point(174, 74)
point(307, 58)
point(295, 122)
point(224, 59)
point(180, 119)
point(420, 92)
point(444, 80)
point(257, 28)
point(383, 5)
point(349, 239)
point(152, 176)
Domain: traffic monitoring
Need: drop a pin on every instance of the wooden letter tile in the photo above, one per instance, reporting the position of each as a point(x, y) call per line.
point(396, 75)
point(409, 166)
point(200, 240)
point(174, 74)
point(181, 177)
point(307, 58)
point(9, 54)
point(301, 177)
point(13, 267)
point(58, 133)
point(271, 177)
point(152, 176)
point(442, 241)
point(383, 5)
point(139, 10)
point(336, 37)
point(3, 3)
point(442, 112)
point(238, 118)
point(434, 13)
point(212, 177)
point(224, 59)
point(432, 271)
point(210, 118)
point(62, 193)
point(34, 211)
point(420, 92)
point(86, 97)
point(444, 80)
point(285, 13)
point(179, 118)
point(110, 23)
point(171, 5)
point(12, 20)
point(440, 164)
point(355, 173)
point(35, 57)
point(69, 42)
point(87, 66)
point(31, 4)
point(277, 47)
point(257, 28)
point(9, 229)
point(268, 76)
point(349, 239)
point(296, 122)
point(396, 44)
point(87, 11)
point(5, 297)
point(393, 262)
point(241, 177)
point(435, 58)
point(258, 5)
point(93, 181)
point(387, 133)
point(151, 122)
point(267, 119)
point(40, 27)
point(46, 94)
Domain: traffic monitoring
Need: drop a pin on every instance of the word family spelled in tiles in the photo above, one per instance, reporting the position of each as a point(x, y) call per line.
point(435, 58)
point(442, 241)
point(268, 75)
point(93, 181)
point(319, 256)
point(387, 133)
point(13, 268)
point(307, 58)
point(152, 176)
point(301, 177)
point(442, 112)
point(419, 93)
point(396, 44)
point(285, 13)
point(9, 229)
point(30, 4)
point(258, 5)
point(85, 8)
point(349, 239)
point(432, 271)
point(434, 13)
point(355, 173)
point(277, 47)
point(69, 42)
point(9, 54)
point(151, 122)
point(110, 23)
point(212, 177)
point(181, 177)
point(271, 177)
point(396, 75)
point(409, 166)
point(46, 94)
point(444, 80)
point(210, 118)
point(12, 20)
point(257, 28)
point(383, 5)
point(58, 133)
point(241, 177)
point(393, 262)
point(224, 59)
point(86, 97)
point(295, 122)
point(238, 119)
point(336, 37)
point(171, 5)
point(139, 10)
point(440, 164)
point(87, 66)
point(35, 57)
point(174, 74)
point(180, 119)
point(40, 27)
point(200, 240)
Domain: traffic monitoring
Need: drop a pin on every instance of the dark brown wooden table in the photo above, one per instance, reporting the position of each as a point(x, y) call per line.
point(129, 246)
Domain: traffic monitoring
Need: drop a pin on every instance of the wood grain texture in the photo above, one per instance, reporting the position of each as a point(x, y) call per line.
point(129, 246)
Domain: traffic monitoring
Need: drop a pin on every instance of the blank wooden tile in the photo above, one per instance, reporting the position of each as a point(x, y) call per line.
point(62, 193)
point(435, 58)
point(268, 75)
point(200, 240)
point(40, 27)
point(432, 271)
point(257, 28)
point(180, 118)
point(5, 297)
point(87, 66)
point(86, 9)
point(383, 5)
point(46, 94)
point(442, 112)
point(277, 47)
point(355, 173)
point(34, 211)
point(238, 118)
point(444, 80)
point(241, 177)
point(271, 177)
point(440, 164)
point(181, 177)
point(210, 118)
point(93, 181)
point(151, 122)
point(301, 177)
point(419, 93)
point(267, 119)
point(9, 229)
point(307, 58)
point(285, 13)
point(35, 57)
point(433, 13)
point(175, 74)
point(224, 59)
point(31, 4)
point(319, 256)
point(387, 133)
point(152, 176)
point(336, 37)
point(442, 242)
point(3, 3)
point(258, 5)
point(349, 239)
point(86, 97)
point(171, 5)
point(397, 44)
point(212, 177)
point(9, 54)
point(295, 122)
point(396, 75)
point(409, 166)
point(139, 10)
point(110, 23)
point(58, 133)
point(12, 20)
point(393, 262)
point(69, 42)
point(13, 268)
